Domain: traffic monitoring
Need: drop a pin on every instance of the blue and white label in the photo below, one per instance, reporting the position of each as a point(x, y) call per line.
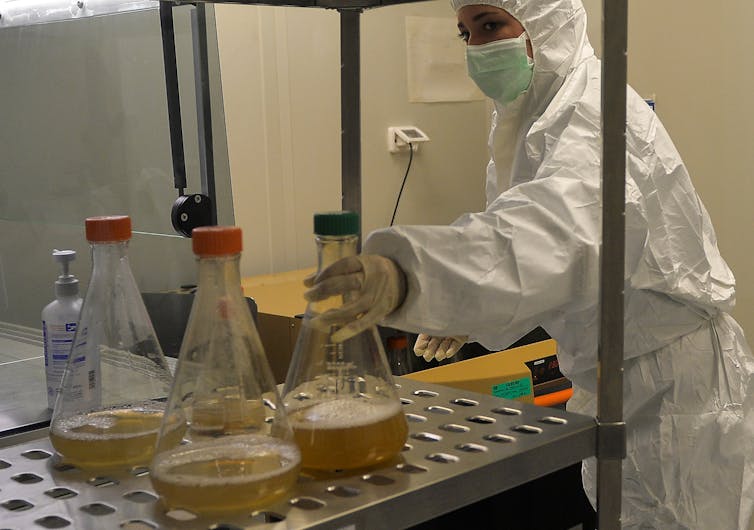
point(58, 340)
point(84, 386)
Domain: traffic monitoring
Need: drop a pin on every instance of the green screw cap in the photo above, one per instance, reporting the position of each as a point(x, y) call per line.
point(343, 223)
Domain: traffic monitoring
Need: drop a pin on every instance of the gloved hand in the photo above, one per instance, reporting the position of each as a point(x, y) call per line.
point(438, 347)
point(372, 287)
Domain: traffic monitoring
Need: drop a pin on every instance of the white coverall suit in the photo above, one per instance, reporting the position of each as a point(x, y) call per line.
point(532, 259)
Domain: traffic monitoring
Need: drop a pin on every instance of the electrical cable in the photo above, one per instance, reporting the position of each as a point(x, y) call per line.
point(408, 167)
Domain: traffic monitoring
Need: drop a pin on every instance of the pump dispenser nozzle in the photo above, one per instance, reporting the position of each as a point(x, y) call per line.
point(66, 284)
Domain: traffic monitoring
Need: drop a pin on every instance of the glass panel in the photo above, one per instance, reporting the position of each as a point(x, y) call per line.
point(85, 132)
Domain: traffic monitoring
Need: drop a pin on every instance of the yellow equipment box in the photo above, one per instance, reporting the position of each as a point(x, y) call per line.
point(526, 373)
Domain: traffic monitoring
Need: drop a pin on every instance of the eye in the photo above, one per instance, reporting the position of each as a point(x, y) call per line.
point(491, 26)
point(464, 36)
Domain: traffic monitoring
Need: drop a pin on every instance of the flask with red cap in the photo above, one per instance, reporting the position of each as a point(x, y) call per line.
point(237, 451)
point(110, 405)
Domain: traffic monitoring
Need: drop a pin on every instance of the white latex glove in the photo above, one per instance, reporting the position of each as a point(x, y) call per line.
point(438, 347)
point(371, 285)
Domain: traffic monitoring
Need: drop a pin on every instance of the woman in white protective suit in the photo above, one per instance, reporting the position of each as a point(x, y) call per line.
point(532, 257)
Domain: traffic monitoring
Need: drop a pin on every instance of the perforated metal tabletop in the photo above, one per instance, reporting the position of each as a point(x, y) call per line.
point(462, 447)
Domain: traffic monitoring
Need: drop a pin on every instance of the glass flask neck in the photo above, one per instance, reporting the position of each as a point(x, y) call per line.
point(108, 259)
point(221, 274)
point(109, 251)
point(331, 248)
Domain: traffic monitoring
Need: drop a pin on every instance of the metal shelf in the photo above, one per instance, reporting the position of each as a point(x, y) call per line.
point(456, 439)
point(611, 437)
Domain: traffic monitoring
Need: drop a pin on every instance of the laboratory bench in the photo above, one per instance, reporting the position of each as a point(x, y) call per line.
point(468, 455)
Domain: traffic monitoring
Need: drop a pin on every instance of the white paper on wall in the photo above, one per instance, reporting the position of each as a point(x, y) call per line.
point(436, 62)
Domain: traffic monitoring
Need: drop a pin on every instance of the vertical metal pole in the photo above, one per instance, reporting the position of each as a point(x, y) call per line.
point(611, 428)
point(173, 98)
point(204, 106)
point(350, 109)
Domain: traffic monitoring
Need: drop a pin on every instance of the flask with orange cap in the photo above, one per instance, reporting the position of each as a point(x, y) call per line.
point(237, 451)
point(111, 401)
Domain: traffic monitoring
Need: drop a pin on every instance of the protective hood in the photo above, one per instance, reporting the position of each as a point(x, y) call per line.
point(557, 31)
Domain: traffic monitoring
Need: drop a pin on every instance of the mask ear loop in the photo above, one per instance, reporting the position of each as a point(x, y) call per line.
point(525, 37)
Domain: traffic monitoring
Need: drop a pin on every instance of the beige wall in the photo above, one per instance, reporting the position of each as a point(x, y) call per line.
point(281, 87)
point(280, 75)
point(694, 60)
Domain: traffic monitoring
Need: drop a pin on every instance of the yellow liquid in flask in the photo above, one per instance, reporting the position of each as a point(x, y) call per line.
point(229, 474)
point(112, 438)
point(348, 433)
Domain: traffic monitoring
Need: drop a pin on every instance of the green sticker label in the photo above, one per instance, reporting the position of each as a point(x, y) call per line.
point(512, 389)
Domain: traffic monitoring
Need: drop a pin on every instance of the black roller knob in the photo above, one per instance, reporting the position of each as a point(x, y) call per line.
point(191, 211)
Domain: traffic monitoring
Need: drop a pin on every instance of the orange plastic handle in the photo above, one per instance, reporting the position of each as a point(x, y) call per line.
point(554, 398)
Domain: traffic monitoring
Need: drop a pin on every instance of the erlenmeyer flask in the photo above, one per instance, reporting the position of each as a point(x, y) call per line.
point(111, 400)
point(341, 401)
point(237, 450)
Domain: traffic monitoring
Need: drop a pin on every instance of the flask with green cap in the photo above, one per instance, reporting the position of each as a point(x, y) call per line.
point(340, 397)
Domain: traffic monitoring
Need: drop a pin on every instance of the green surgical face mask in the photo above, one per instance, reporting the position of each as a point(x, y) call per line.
point(501, 69)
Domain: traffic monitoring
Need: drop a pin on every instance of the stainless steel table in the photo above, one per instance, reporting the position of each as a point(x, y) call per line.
point(462, 447)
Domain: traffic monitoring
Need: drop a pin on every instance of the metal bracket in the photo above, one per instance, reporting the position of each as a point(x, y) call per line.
point(189, 211)
point(611, 440)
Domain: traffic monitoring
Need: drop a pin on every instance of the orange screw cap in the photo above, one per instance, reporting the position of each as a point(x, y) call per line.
point(108, 228)
point(216, 240)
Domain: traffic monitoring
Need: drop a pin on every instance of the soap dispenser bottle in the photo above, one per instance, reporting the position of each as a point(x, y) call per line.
point(59, 320)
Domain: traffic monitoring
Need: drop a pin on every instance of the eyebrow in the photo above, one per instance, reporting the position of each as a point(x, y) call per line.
point(478, 16)
point(485, 13)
